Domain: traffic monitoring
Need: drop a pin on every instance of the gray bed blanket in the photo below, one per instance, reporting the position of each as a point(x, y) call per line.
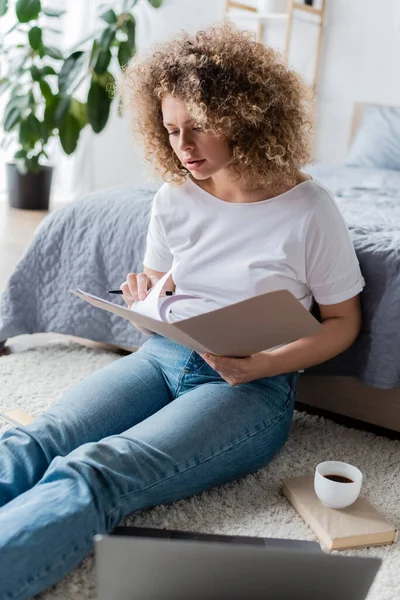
point(95, 241)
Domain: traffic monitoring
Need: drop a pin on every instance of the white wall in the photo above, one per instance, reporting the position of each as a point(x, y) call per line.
point(359, 63)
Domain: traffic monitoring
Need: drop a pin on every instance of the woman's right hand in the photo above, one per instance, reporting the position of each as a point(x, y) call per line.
point(136, 287)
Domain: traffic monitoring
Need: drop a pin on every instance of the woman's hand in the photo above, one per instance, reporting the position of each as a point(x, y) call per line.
point(136, 287)
point(236, 371)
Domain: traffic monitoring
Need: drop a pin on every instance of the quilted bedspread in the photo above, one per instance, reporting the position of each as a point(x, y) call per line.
point(93, 242)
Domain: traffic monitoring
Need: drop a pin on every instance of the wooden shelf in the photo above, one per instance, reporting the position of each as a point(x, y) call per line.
point(309, 9)
point(264, 16)
point(320, 12)
point(240, 5)
point(252, 14)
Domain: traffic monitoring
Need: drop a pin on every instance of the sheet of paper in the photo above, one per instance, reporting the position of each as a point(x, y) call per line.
point(150, 305)
point(168, 305)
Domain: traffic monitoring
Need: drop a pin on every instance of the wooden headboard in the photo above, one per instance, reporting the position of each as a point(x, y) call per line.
point(358, 111)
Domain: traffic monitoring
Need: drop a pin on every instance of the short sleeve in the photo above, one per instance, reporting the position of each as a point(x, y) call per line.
point(157, 254)
point(332, 267)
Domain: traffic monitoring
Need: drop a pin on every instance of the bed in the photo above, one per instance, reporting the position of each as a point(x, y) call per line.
point(367, 189)
point(95, 241)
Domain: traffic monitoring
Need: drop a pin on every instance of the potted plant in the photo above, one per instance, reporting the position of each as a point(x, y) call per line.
point(41, 84)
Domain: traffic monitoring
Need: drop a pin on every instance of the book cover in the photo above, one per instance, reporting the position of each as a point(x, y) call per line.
point(16, 417)
point(355, 526)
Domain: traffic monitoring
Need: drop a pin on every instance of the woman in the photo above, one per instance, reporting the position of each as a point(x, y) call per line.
point(227, 126)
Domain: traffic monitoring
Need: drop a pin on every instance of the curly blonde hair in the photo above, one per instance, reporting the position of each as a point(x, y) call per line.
point(232, 86)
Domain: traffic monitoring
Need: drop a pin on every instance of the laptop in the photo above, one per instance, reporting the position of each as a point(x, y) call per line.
point(139, 563)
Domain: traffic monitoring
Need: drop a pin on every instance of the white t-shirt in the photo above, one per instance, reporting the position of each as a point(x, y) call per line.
point(228, 251)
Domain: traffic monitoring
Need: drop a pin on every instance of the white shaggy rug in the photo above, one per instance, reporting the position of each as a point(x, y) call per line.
point(34, 378)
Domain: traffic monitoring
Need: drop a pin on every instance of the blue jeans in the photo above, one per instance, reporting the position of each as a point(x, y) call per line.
point(150, 428)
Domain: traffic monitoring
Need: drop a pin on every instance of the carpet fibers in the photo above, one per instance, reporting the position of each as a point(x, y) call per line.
point(36, 377)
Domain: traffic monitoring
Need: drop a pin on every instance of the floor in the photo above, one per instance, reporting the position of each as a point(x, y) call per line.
point(16, 230)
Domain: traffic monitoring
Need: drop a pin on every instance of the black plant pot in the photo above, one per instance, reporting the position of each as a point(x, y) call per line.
point(30, 191)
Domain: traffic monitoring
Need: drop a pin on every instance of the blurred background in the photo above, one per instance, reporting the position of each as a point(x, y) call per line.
point(357, 58)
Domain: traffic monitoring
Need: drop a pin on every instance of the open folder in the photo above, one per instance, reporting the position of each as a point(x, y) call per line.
point(240, 329)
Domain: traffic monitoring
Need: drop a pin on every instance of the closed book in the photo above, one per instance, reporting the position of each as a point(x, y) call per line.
point(355, 526)
point(16, 417)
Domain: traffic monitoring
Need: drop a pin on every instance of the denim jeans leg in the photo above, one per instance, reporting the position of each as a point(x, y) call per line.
point(106, 402)
point(207, 436)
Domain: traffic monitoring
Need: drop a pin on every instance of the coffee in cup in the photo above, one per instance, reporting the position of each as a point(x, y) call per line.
point(337, 484)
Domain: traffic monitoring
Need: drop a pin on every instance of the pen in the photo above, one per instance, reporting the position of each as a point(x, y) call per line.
point(121, 292)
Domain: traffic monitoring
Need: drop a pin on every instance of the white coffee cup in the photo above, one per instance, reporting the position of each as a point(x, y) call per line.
point(333, 493)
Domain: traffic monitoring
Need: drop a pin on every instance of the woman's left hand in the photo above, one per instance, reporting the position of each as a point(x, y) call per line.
point(239, 370)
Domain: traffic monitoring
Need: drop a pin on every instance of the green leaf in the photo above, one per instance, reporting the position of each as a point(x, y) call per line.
point(34, 127)
point(45, 132)
point(27, 10)
point(33, 164)
point(49, 113)
point(155, 3)
point(14, 110)
point(53, 52)
point(109, 17)
point(98, 106)
point(4, 84)
point(46, 91)
point(35, 37)
point(6, 142)
point(79, 111)
point(94, 54)
point(62, 108)
point(24, 135)
point(31, 100)
point(11, 118)
point(107, 38)
point(124, 53)
point(103, 60)
point(72, 67)
point(107, 81)
point(129, 27)
point(3, 7)
point(47, 70)
point(69, 131)
point(128, 4)
point(20, 154)
point(54, 12)
point(35, 73)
